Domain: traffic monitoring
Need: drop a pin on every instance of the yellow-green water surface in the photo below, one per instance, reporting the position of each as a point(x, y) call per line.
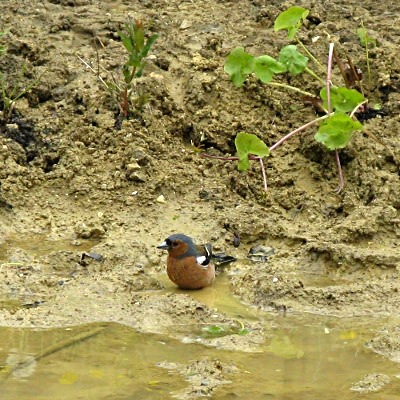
point(307, 357)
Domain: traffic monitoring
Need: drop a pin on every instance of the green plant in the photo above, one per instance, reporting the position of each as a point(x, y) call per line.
point(214, 331)
point(339, 103)
point(368, 42)
point(123, 89)
point(138, 48)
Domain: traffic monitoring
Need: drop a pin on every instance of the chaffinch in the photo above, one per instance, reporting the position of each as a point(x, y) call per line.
point(188, 265)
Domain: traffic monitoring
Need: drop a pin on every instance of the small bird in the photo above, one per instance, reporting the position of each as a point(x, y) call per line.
point(188, 265)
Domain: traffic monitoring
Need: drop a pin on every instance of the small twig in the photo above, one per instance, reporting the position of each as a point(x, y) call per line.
point(355, 74)
point(91, 68)
point(54, 348)
point(341, 68)
point(205, 155)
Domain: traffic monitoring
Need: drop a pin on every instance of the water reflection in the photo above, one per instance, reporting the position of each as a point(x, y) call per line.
point(304, 359)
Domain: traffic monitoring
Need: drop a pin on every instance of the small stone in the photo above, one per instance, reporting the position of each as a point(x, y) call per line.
point(89, 231)
point(137, 176)
point(185, 24)
point(161, 199)
point(134, 166)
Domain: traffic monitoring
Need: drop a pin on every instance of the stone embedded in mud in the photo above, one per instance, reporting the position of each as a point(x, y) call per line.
point(133, 166)
point(137, 176)
point(260, 253)
point(90, 231)
point(371, 383)
point(161, 199)
point(140, 156)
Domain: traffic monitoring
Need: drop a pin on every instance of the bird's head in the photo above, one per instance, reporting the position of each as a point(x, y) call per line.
point(178, 245)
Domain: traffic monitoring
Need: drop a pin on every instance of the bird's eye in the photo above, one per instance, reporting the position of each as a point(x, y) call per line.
point(175, 243)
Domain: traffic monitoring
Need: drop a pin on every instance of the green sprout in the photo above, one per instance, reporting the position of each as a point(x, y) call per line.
point(123, 90)
point(138, 48)
point(335, 129)
point(368, 42)
point(291, 20)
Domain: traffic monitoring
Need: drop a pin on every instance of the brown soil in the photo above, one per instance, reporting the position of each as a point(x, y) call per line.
point(69, 178)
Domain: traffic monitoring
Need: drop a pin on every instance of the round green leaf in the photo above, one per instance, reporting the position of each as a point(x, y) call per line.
point(336, 131)
point(291, 20)
point(238, 65)
point(265, 67)
point(294, 61)
point(342, 99)
point(247, 143)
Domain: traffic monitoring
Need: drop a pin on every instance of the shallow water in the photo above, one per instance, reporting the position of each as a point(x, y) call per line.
point(307, 357)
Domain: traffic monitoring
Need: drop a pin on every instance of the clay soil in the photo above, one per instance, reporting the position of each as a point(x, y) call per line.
point(75, 182)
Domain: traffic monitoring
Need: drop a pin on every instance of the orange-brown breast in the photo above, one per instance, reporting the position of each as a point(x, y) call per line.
point(187, 274)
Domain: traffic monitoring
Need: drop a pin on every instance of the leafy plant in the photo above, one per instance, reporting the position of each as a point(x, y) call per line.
point(123, 89)
point(339, 102)
point(138, 48)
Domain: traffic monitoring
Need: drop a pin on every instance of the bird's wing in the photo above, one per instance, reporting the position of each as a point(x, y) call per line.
point(203, 256)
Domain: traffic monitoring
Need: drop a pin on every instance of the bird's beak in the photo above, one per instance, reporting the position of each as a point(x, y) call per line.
point(163, 246)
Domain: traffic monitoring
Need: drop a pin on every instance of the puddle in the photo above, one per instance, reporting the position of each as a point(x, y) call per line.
point(304, 357)
point(111, 361)
point(218, 297)
point(39, 245)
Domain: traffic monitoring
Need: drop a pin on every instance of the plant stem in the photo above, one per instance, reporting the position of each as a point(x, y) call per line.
point(340, 171)
point(357, 107)
point(313, 74)
point(367, 55)
point(263, 174)
point(131, 76)
point(292, 88)
point(289, 135)
point(328, 99)
point(329, 77)
point(309, 54)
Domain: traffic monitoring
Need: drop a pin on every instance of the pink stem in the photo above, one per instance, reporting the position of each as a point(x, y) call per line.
point(289, 135)
point(263, 174)
point(329, 77)
point(341, 179)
